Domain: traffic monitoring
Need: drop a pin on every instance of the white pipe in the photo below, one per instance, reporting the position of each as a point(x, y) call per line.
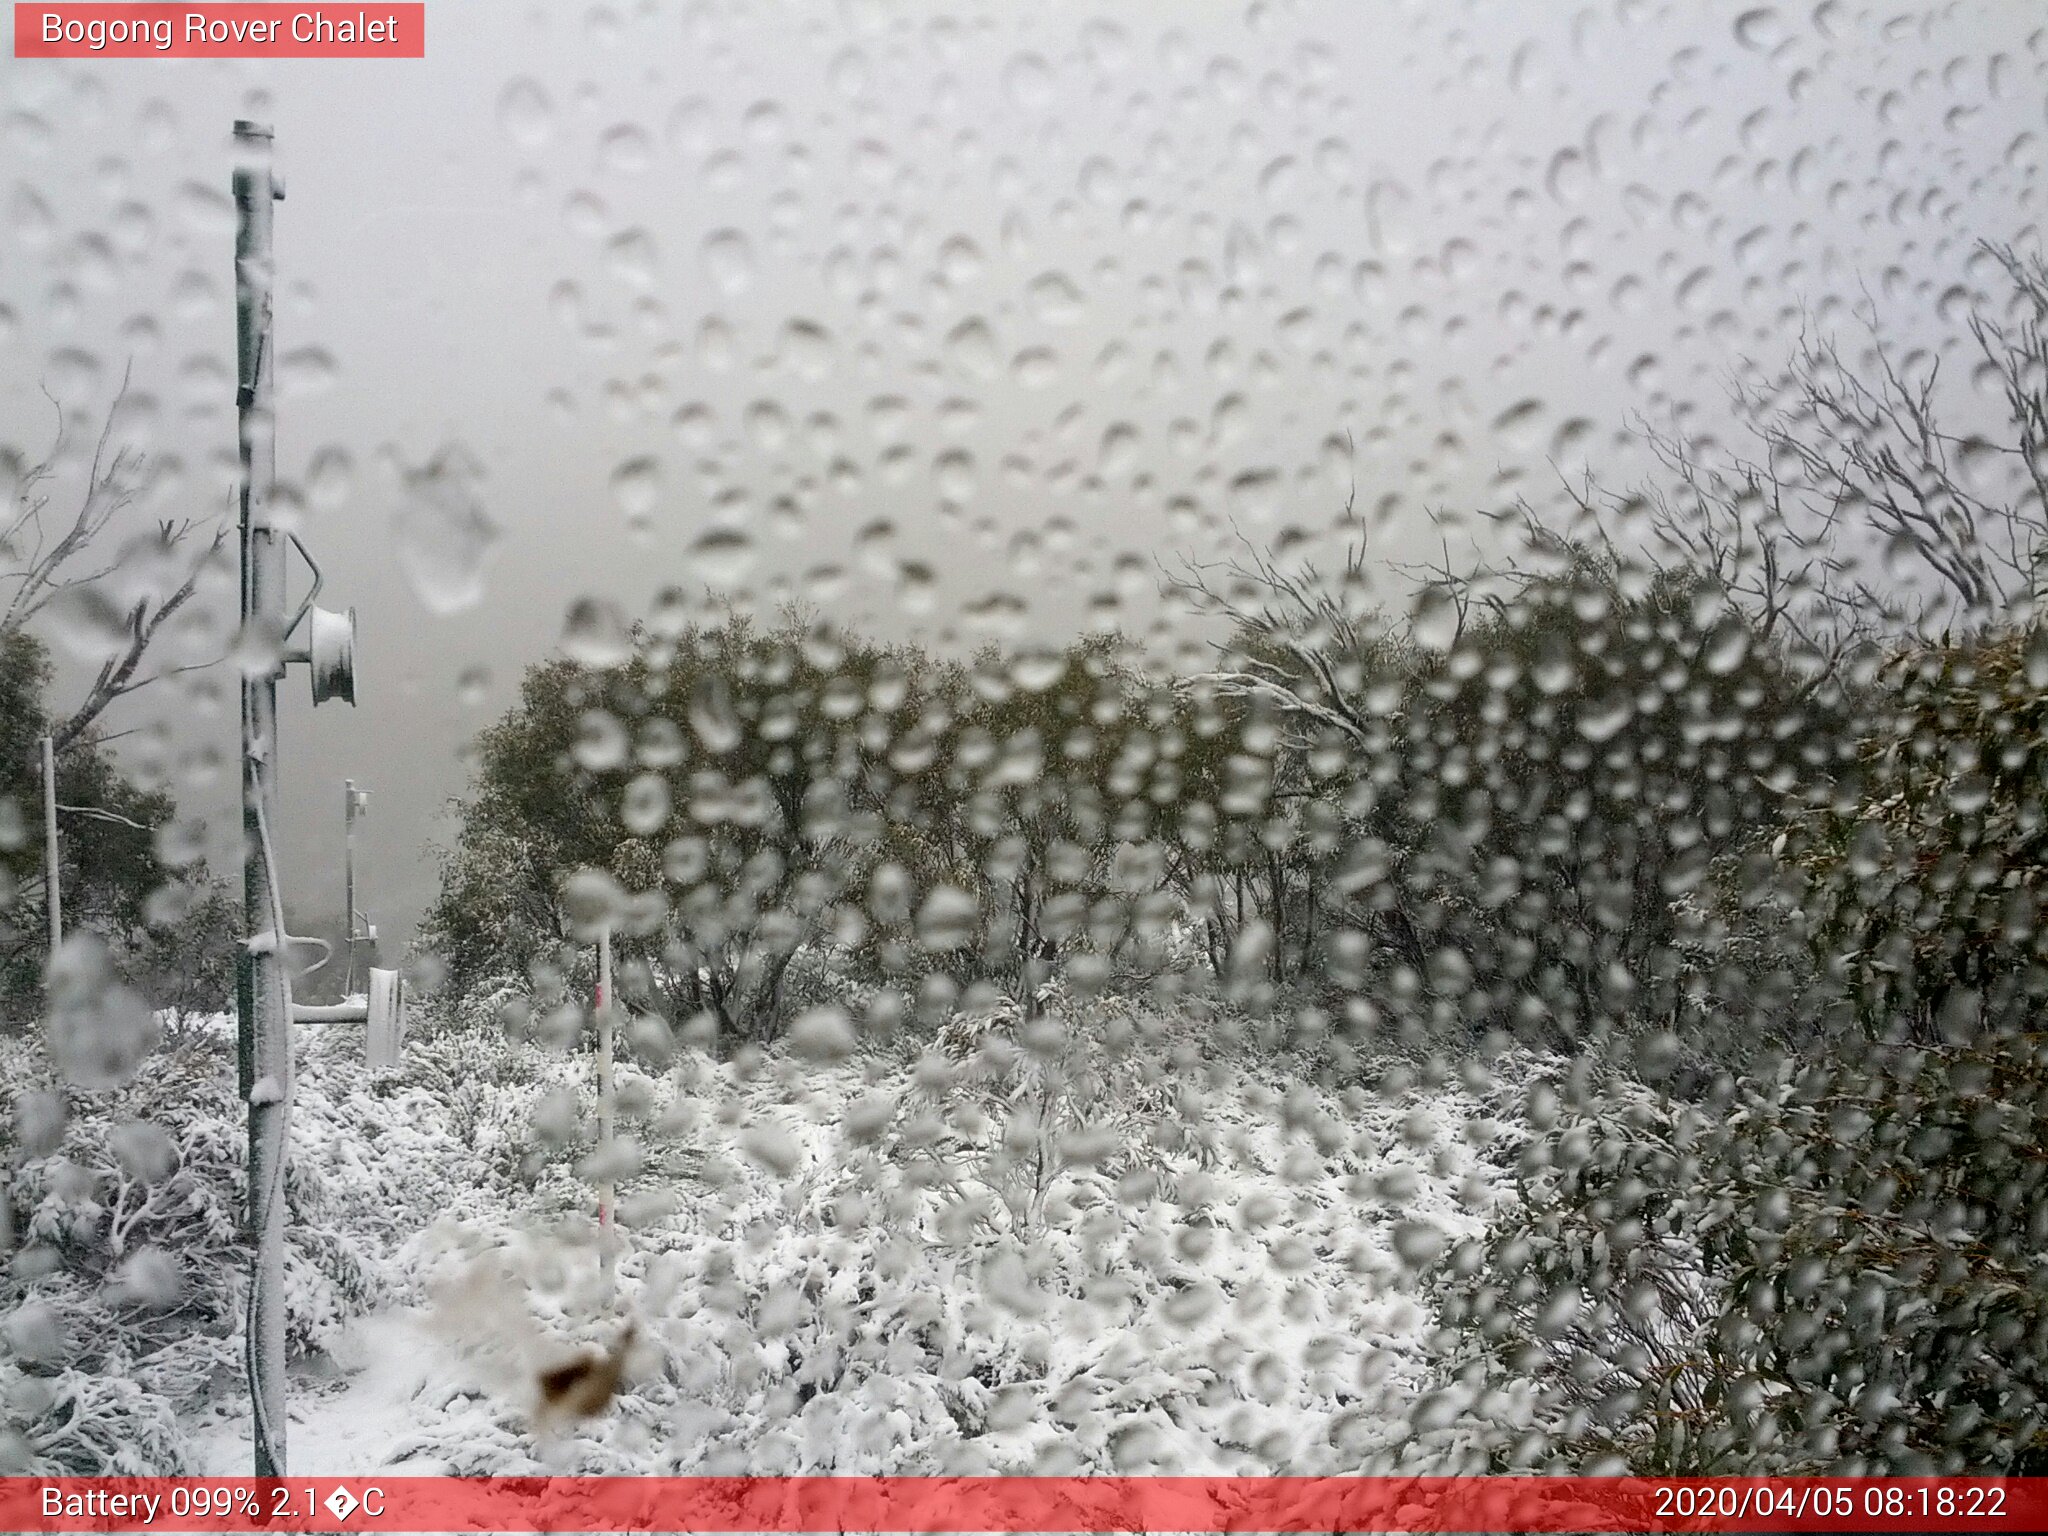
point(604, 1097)
point(355, 1011)
point(271, 1094)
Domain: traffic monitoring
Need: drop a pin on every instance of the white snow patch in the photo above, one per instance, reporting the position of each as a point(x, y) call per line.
point(398, 1375)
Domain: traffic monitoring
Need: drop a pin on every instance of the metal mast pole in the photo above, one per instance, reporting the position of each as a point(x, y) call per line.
point(262, 998)
point(55, 899)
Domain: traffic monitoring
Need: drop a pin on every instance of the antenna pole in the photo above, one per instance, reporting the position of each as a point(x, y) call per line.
point(262, 991)
point(351, 803)
point(55, 897)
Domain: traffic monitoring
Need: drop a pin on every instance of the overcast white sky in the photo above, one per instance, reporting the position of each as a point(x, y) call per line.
point(952, 318)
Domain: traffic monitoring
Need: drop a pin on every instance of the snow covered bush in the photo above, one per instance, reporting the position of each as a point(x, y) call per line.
point(1836, 1269)
point(120, 1313)
point(1106, 1243)
point(125, 1272)
point(1588, 1296)
point(1837, 1260)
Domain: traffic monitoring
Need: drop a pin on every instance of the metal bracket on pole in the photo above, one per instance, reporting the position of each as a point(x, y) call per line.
point(312, 592)
point(382, 1008)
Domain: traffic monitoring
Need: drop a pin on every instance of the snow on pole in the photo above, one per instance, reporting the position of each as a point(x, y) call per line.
point(604, 1098)
point(263, 1003)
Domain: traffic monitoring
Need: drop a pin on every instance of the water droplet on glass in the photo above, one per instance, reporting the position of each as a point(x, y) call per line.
point(99, 1030)
point(1028, 79)
point(636, 488)
point(596, 634)
point(729, 260)
point(525, 113)
point(444, 535)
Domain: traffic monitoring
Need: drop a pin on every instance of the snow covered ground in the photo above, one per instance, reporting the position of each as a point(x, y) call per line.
point(1125, 1246)
point(961, 1261)
point(354, 1417)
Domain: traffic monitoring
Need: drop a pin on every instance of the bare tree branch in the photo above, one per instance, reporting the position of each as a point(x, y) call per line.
point(37, 571)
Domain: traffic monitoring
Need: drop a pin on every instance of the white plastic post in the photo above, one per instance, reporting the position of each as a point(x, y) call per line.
point(386, 1022)
point(604, 1098)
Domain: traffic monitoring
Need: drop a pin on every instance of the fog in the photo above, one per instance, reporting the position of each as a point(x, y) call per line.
point(947, 321)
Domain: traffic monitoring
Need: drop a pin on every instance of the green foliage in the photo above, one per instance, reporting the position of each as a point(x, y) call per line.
point(737, 804)
point(1841, 1264)
point(1823, 1270)
point(1053, 786)
point(1923, 886)
point(1509, 830)
point(172, 930)
point(710, 800)
point(1499, 815)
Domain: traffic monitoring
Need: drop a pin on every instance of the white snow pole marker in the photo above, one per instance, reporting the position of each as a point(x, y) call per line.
point(604, 1100)
point(384, 1021)
point(353, 802)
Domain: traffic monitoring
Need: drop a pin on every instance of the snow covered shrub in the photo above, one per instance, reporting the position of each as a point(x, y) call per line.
point(480, 1010)
point(1097, 1104)
point(126, 1226)
point(1927, 894)
point(1104, 1243)
point(485, 1085)
point(826, 975)
point(1591, 1290)
point(85, 1424)
point(372, 1163)
point(121, 1311)
point(1828, 1269)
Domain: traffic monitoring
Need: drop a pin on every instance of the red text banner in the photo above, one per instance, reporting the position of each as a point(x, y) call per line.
point(220, 31)
point(1033, 1504)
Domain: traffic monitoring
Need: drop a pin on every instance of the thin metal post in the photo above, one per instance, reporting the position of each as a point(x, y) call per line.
point(262, 996)
point(606, 1256)
point(349, 801)
point(50, 865)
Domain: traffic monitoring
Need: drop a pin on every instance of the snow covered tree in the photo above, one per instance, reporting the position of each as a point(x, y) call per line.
point(1522, 780)
point(167, 926)
point(118, 603)
point(711, 798)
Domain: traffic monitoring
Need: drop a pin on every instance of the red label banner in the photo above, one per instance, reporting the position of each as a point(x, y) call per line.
point(221, 31)
point(1033, 1504)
